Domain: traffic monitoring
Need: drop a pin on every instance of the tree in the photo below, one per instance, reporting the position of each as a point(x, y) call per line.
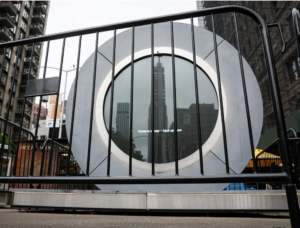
point(11, 145)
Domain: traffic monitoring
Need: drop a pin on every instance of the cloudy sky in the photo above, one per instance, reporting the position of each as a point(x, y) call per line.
point(72, 15)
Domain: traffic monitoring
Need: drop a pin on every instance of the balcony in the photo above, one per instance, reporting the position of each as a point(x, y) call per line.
point(34, 35)
point(36, 51)
point(29, 99)
point(34, 62)
point(5, 63)
point(32, 73)
point(5, 34)
point(25, 122)
point(7, 21)
point(40, 8)
point(3, 80)
point(37, 29)
point(38, 18)
point(23, 83)
point(8, 7)
point(27, 111)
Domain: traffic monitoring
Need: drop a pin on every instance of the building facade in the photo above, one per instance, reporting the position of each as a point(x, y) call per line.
point(122, 121)
point(20, 20)
point(287, 64)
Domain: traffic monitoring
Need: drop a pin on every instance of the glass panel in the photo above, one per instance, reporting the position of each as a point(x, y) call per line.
point(163, 104)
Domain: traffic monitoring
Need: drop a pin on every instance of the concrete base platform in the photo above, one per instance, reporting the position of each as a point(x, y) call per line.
point(274, 200)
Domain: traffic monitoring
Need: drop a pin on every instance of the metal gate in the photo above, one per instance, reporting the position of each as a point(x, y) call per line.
point(54, 87)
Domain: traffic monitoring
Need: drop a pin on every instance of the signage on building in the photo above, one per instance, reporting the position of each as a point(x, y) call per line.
point(51, 111)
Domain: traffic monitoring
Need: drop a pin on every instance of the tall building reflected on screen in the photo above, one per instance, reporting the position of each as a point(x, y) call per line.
point(160, 116)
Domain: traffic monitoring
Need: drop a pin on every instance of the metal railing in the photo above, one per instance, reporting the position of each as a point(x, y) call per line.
point(39, 26)
point(20, 110)
point(30, 72)
point(41, 5)
point(284, 177)
point(37, 49)
point(28, 59)
point(7, 32)
point(10, 4)
point(7, 17)
point(41, 16)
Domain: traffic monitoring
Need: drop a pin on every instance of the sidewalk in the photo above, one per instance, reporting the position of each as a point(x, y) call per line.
point(11, 218)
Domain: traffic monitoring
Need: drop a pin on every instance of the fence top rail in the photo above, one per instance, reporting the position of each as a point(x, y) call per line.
point(197, 13)
point(49, 139)
point(232, 178)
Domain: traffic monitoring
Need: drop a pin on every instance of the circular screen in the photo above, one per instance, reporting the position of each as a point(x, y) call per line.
point(162, 117)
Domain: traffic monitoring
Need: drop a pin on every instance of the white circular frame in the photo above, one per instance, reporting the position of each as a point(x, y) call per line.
point(165, 167)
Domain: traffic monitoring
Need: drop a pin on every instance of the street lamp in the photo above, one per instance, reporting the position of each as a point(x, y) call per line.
point(63, 102)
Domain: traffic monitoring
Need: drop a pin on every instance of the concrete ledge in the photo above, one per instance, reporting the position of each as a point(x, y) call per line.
point(205, 201)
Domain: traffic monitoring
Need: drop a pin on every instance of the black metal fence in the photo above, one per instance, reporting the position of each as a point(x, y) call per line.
point(44, 173)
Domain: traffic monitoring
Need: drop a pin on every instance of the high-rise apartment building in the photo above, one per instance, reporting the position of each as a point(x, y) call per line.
point(20, 20)
point(287, 64)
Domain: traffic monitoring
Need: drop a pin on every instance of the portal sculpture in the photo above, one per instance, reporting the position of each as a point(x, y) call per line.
point(213, 151)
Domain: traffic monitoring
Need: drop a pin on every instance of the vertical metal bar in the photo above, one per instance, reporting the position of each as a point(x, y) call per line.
point(23, 110)
point(152, 102)
point(21, 156)
point(131, 103)
point(245, 95)
point(9, 134)
point(111, 104)
point(92, 108)
point(8, 102)
point(24, 163)
point(197, 99)
point(220, 96)
point(28, 161)
point(74, 105)
point(56, 102)
point(174, 100)
point(38, 116)
point(3, 61)
point(281, 128)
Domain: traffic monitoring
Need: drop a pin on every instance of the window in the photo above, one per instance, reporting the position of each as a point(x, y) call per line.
point(18, 6)
point(12, 101)
point(22, 35)
point(9, 115)
point(24, 25)
point(6, 65)
point(16, 74)
point(16, 18)
point(13, 30)
point(293, 69)
point(25, 14)
point(27, 4)
point(43, 136)
point(1, 94)
point(8, 53)
point(17, 60)
point(3, 79)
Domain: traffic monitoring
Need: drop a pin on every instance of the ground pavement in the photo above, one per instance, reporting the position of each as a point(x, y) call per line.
point(12, 218)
